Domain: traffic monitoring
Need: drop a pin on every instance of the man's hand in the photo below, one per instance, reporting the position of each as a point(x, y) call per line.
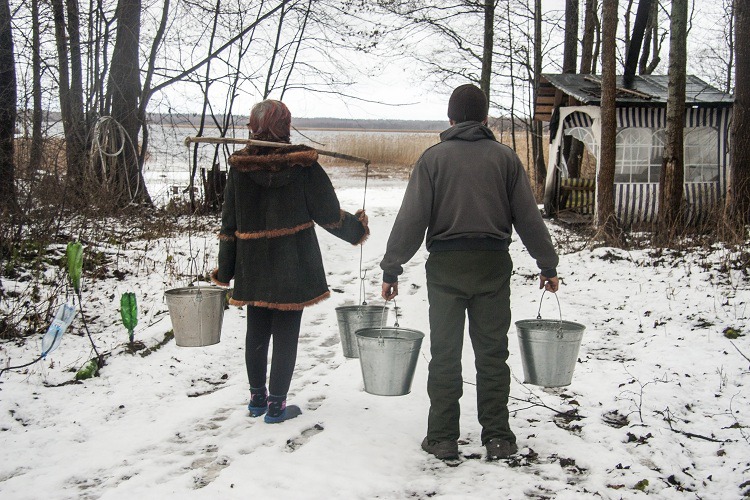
point(549, 284)
point(390, 290)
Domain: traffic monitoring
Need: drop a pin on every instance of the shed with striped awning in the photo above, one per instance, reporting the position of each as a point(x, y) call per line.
point(571, 105)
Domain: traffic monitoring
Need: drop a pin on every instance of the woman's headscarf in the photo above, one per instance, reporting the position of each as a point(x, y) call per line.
point(270, 120)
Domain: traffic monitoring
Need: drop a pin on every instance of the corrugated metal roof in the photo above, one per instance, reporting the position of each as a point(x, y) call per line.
point(650, 90)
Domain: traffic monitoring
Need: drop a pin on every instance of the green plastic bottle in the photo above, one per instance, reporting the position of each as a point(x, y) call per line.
point(129, 312)
point(74, 253)
point(88, 370)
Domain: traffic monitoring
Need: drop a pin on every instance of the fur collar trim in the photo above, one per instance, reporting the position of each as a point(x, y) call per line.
point(253, 158)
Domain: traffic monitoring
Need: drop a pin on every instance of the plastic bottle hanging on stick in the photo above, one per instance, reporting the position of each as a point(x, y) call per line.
point(62, 321)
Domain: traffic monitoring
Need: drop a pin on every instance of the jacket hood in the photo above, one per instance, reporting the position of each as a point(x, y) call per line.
point(273, 167)
point(467, 131)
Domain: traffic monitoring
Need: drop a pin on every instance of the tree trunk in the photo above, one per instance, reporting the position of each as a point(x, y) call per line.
point(587, 43)
point(575, 153)
point(738, 196)
point(71, 96)
point(300, 38)
point(512, 82)
point(8, 108)
point(731, 45)
point(571, 152)
point(651, 42)
point(605, 198)
point(37, 141)
point(538, 136)
point(570, 49)
point(270, 79)
point(125, 89)
point(597, 46)
point(634, 46)
point(206, 87)
point(488, 46)
point(672, 179)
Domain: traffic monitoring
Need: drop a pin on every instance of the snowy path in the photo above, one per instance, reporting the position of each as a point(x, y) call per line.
point(658, 395)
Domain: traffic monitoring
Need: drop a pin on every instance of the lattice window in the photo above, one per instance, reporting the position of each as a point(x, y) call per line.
point(639, 152)
point(701, 154)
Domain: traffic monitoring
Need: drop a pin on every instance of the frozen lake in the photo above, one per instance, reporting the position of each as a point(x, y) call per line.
point(168, 166)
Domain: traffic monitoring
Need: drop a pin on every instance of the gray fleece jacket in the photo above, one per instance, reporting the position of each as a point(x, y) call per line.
point(467, 192)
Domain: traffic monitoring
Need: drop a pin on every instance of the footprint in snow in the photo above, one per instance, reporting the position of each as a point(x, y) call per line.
point(294, 444)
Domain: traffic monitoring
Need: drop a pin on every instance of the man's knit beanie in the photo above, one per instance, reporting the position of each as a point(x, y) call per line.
point(467, 102)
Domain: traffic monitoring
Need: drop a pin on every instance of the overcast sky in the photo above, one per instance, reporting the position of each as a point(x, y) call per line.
point(396, 91)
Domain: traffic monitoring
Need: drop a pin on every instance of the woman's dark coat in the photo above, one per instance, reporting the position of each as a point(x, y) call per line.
point(272, 201)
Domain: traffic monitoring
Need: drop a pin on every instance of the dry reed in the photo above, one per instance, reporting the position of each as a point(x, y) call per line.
point(397, 152)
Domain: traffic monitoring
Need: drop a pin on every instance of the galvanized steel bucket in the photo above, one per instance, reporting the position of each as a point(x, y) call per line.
point(388, 358)
point(353, 318)
point(197, 314)
point(549, 349)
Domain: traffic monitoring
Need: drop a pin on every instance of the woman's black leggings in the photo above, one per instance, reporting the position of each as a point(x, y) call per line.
point(283, 326)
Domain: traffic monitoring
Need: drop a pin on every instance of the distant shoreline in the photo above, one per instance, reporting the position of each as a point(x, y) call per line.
point(338, 129)
point(331, 124)
point(385, 130)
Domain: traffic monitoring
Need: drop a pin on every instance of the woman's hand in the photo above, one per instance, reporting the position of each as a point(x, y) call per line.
point(362, 217)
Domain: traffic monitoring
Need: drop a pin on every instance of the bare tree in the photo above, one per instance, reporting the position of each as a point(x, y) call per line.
point(467, 53)
point(570, 50)
point(672, 178)
point(738, 198)
point(715, 58)
point(206, 86)
point(590, 21)
point(652, 42)
point(633, 51)
point(605, 199)
point(576, 148)
point(488, 46)
point(7, 112)
point(124, 89)
point(512, 77)
point(572, 149)
point(70, 87)
point(37, 144)
point(540, 168)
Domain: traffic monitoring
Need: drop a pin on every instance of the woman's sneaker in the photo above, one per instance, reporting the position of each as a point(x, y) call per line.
point(258, 402)
point(278, 411)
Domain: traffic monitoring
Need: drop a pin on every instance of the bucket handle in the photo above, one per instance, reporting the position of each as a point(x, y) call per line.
point(381, 341)
point(559, 309)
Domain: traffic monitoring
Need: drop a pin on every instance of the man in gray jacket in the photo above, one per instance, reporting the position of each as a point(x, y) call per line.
point(468, 193)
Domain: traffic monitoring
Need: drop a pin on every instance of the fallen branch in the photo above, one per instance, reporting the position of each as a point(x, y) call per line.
point(232, 140)
point(738, 350)
point(698, 436)
point(666, 414)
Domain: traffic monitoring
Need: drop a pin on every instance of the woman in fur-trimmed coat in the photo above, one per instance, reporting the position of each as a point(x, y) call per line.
point(273, 198)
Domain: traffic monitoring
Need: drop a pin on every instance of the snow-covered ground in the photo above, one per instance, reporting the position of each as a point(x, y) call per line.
point(659, 403)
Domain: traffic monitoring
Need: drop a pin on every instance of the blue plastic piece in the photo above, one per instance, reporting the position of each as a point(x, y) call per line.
point(62, 321)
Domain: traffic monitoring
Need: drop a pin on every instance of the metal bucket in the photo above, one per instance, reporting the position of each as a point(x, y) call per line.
point(197, 314)
point(388, 357)
point(549, 350)
point(353, 318)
